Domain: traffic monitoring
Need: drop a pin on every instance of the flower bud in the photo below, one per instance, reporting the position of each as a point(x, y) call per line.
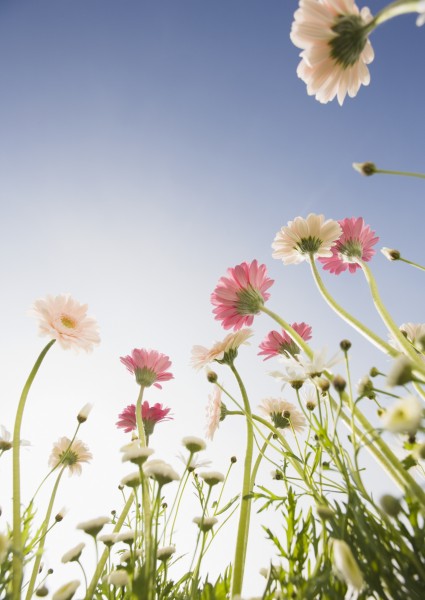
point(365, 168)
point(390, 505)
point(324, 512)
point(345, 565)
point(84, 413)
point(212, 376)
point(193, 444)
point(401, 372)
point(345, 345)
point(391, 254)
point(339, 383)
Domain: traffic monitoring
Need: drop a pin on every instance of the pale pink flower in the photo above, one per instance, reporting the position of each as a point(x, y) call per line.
point(65, 320)
point(240, 295)
point(301, 238)
point(70, 455)
point(149, 366)
point(281, 343)
point(356, 241)
point(335, 47)
point(151, 415)
point(202, 356)
point(283, 414)
point(414, 333)
point(213, 413)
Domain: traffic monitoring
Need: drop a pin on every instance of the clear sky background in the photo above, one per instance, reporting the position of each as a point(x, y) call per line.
point(146, 146)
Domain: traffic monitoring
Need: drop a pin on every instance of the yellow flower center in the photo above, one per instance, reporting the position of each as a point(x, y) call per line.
point(68, 322)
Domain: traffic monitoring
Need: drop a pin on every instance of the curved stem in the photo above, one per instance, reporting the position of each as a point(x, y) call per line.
point(395, 9)
point(17, 533)
point(294, 335)
point(360, 327)
point(411, 263)
point(243, 526)
point(40, 549)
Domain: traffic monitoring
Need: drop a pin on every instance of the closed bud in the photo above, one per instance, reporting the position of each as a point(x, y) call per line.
point(345, 345)
point(212, 376)
point(374, 372)
point(324, 512)
point(391, 254)
point(390, 505)
point(365, 168)
point(84, 413)
point(401, 372)
point(339, 383)
point(233, 459)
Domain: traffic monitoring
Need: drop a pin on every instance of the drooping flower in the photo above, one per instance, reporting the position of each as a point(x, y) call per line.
point(356, 241)
point(404, 416)
point(213, 413)
point(283, 414)
point(220, 351)
point(83, 415)
point(335, 47)
point(149, 366)
point(65, 320)
point(301, 238)
point(70, 454)
point(151, 415)
point(281, 343)
point(241, 294)
point(73, 554)
point(346, 565)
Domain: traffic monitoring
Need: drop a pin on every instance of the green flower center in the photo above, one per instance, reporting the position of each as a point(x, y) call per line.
point(249, 301)
point(281, 420)
point(350, 40)
point(351, 249)
point(289, 348)
point(145, 376)
point(68, 458)
point(309, 245)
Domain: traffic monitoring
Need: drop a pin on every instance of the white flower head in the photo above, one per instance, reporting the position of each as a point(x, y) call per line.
point(160, 471)
point(126, 536)
point(205, 523)
point(136, 454)
point(212, 477)
point(118, 578)
point(404, 416)
point(67, 591)
point(193, 444)
point(283, 414)
point(414, 333)
point(301, 238)
point(93, 526)
point(131, 480)
point(165, 552)
point(83, 415)
point(391, 253)
point(202, 356)
point(346, 566)
point(73, 554)
point(109, 539)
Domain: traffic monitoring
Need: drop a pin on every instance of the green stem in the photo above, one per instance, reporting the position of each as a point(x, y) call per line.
point(403, 173)
point(410, 262)
point(40, 549)
point(294, 335)
point(17, 533)
point(388, 321)
point(243, 526)
point(395, 9)
point(360, 327)
point(101, 564)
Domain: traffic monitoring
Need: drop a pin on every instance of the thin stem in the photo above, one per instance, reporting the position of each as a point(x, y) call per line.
point(294, 335)
point(395, 9)
point(17, 565)
point(410, 262)
point(40, 549)
point(243, 526)
point(403, 173)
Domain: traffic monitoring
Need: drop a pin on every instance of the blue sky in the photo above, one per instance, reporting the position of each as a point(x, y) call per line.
point(146, 146)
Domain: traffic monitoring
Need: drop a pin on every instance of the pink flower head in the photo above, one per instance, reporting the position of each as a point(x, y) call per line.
point(356, 241)
point(151, 415)
point(214, 412)
point(281, 343)
point(240, 295)
point(149, 366)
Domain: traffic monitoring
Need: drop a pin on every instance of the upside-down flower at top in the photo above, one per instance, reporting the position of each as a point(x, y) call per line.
point(356, 241)
point(202, 356)
point(149, 366)
point(240, 295)
point(70, 455)
point(301, 238)
point(281, 343)
point(65, 320)
point(333, 37)
point(151, 415)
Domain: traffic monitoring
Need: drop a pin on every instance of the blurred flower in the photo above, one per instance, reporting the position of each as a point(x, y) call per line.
point(421, 10)
point(136, 453)
point(335, 47)
point(213, 413)
point(240, 295)
point(67, 591)
point(6, 440)
point(129, 555)
point(404, 416)
point(193, 444)
point(149, 366)
point(109, 539)
point(283, 414)
point(281, 343)
point(309, 394)
point(346, 566)
point(366, 388)
point(93, 526)
point(365, 168)
point(400, 372)
point(193, 462)
point(4, 546)
point(301, 237)
point(151, 415)
point(131, 480)
point(205, 523)
point(314, 366)
point(70, 455)
point(73, 554)
point(61, 514)
point(160, 471)
point(126, 536)
point(202, 356)
point(165, 552)
point(414, 333)
point(390, 253)
point(212, 477)
point(84, 413)
point(356, 241)
point(65, 320)
point(118, 578)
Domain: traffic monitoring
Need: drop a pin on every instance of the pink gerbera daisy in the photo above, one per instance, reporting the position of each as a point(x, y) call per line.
point(281, 343)
point(240, 295)
point(149, 366)
point(356, 242)
point(151, 415)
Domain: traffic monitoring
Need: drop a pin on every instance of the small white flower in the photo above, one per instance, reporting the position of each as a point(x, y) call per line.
point(165, 552)
point(161, 471)
point(93, 526)
point(128, 555)
point(404, 416)
point(131, 480)
point(193, 444)
point(73, 554)
point(202, 356)
point(67, 591)
point(136, 454)
point(4, 546)
point(212, 477)
point(83, 415)
point(205, 523)
point(118, 578)
point(346, 566)
point(414, 333)
point(421, 10)
point(390, 253)
point(6, 440)
point(126, 536)
point(109, 539)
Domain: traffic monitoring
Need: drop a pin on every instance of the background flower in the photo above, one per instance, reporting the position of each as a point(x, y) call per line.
point(71, 455)
point(149, 366)
point(277, 343)
point(65, 320)
point(151, 415)
point(201, 356)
